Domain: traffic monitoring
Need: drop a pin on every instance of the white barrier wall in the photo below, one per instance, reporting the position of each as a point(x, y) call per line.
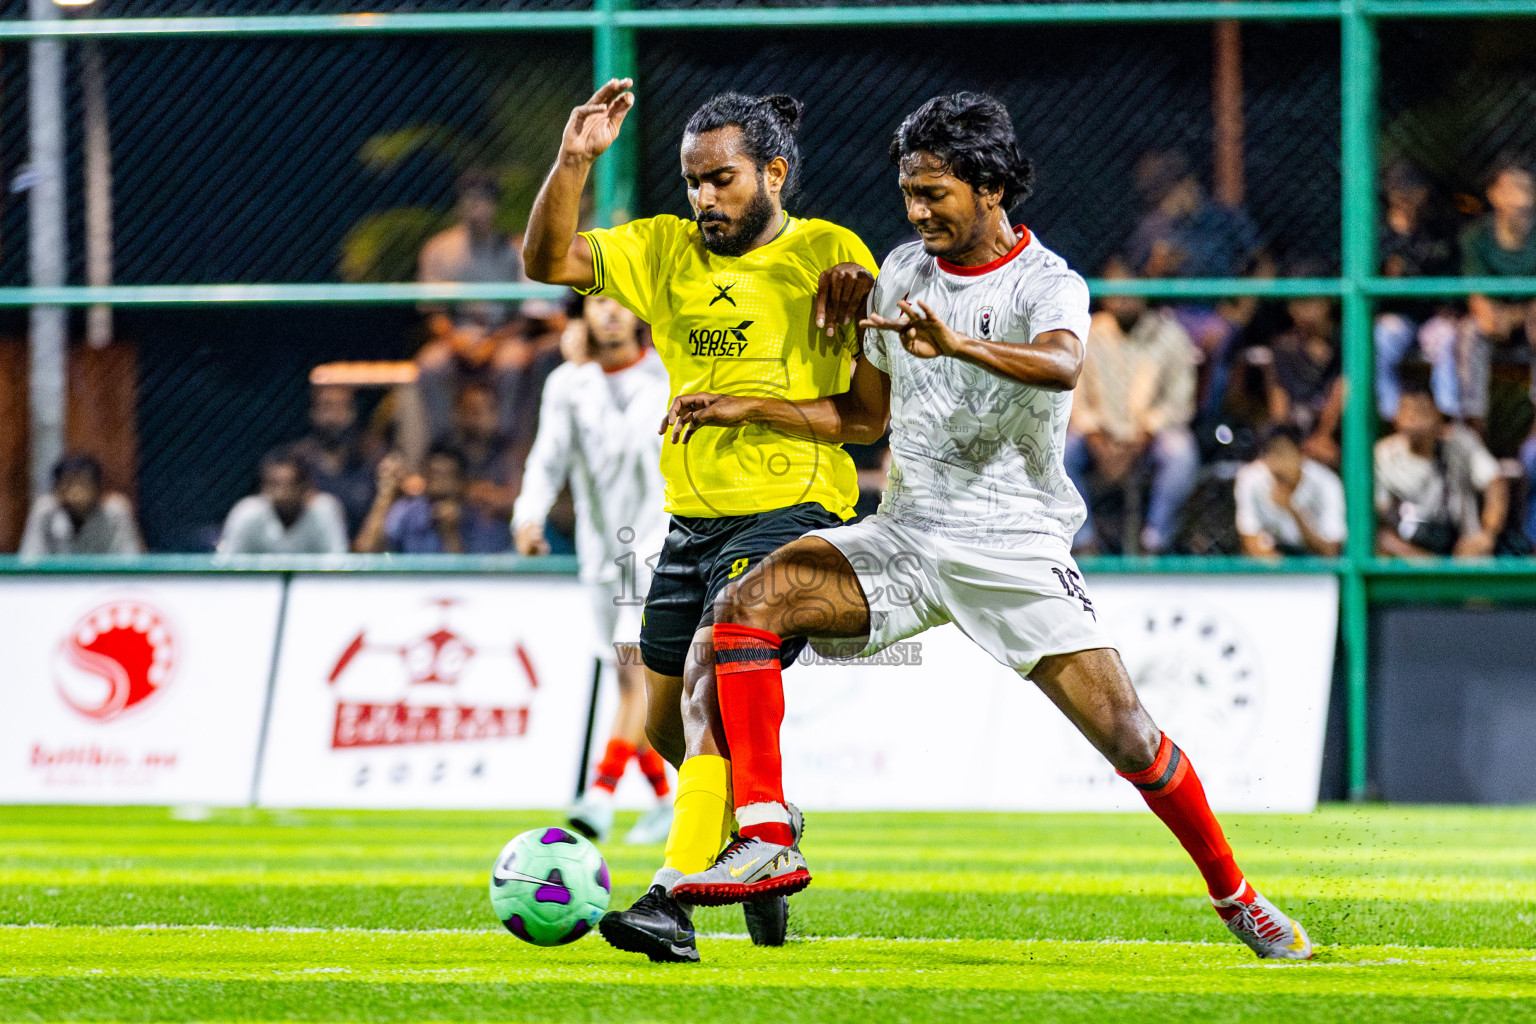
point(473, 691)
point(134, 689)
point(1235, 669)
point(414, 691)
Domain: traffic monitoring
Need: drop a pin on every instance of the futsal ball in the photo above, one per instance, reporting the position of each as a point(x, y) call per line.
point(549, 886)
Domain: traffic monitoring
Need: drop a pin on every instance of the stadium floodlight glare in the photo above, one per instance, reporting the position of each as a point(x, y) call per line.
point(74, 3)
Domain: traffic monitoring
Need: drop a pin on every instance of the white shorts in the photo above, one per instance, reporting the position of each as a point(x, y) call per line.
point(1018, 605)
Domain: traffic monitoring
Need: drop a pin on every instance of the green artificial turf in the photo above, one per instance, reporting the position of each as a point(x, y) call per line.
point(1421, 915)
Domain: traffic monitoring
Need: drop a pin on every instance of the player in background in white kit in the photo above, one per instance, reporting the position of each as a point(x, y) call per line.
point(597, 429)
point(977, 335)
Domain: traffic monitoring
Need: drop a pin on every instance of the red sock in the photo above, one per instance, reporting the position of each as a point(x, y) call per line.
point(751, 692)
point(655, 770)
point(611, 768)
point(1173, 791)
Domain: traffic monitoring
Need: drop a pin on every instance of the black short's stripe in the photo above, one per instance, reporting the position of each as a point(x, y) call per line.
point(1173, 765)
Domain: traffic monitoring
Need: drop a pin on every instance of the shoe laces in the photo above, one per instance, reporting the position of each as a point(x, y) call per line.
point(738, 842)
point(656, 898)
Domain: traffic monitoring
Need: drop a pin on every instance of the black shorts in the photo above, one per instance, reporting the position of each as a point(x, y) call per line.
point(699, 558)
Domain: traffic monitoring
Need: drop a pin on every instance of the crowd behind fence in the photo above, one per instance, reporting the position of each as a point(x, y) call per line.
point(1204, 426)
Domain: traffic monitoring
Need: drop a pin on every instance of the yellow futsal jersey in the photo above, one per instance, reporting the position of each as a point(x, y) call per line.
point(739, 325)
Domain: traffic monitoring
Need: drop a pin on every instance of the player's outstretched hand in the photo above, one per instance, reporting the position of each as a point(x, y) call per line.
point(840, 295)
point(595, 124)
point(920, 329)
point(703, 409)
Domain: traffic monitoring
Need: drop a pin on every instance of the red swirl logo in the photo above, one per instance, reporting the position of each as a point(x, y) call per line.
point(116, 658)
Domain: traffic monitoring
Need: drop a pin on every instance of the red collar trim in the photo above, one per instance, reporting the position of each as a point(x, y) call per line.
point(986, 268)
point(621, 369)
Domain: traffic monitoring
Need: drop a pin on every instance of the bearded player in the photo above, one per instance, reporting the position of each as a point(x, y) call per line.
point(978, 330)
point(742, 299)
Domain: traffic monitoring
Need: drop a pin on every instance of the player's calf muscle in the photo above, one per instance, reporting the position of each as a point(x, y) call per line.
point(1094, 691)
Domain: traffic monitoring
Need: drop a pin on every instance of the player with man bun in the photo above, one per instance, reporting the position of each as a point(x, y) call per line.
point(976, 337)
point(742, 299)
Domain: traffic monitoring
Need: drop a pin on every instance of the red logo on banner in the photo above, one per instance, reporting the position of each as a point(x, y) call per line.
point(116, 658)
point(434, 663)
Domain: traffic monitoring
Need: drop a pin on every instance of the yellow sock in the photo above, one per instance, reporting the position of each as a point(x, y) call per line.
point(701, 812)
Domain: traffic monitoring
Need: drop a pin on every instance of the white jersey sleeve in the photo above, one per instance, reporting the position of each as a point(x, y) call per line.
point(876, 340)
point(549, 461)
point(1054, 298)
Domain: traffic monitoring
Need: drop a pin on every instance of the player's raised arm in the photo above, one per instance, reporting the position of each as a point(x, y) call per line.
point(552, 250)
point(857, 416)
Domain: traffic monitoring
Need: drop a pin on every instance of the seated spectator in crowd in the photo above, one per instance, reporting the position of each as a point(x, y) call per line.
point(1133, 405)
point(1416, 240)
point(1302, 375)
point(78, 518)
point(479, 341)
point(288, 516)
point(339, 456)
point(1288, 504)
point(1186, 233)
point(1500, 244)
point(439, 520)
point(1438, 490)
point(493, 468)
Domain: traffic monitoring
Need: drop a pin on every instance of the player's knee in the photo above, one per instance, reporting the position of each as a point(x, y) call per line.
point(738, 604)
point(1133, 743)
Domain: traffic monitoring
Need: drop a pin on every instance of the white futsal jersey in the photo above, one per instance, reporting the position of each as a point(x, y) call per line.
point(977, 522)
point(598, 430)
point(976, 456)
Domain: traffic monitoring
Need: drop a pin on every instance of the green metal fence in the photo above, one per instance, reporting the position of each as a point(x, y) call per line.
point(614, 25)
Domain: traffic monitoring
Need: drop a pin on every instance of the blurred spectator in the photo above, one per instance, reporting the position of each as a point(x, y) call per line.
point(545, 325)
point(288, 516)
point(1438, 490)
point(479, 341)
point(78, 518)
point(1416, 240)
point(1185, 233)
point(440, 520)
point(1288, 504)
point(492, 467)
point(1301, 367)
point(473, 251)
point(1500, 244)
point(340, 456)
point(1132, 406)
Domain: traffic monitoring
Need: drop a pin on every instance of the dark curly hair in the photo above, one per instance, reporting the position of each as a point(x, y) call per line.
point(768, 125)
point(973, 135)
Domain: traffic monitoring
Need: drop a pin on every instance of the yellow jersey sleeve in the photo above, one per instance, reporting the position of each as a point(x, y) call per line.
point(627, 261)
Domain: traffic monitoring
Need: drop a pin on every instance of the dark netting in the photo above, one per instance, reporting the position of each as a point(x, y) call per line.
point(207, 8)
point(1457, 98)
point(686, 4)
point(218, 388)
point(313, 160)
point(1088, 103)
point(1455, 95)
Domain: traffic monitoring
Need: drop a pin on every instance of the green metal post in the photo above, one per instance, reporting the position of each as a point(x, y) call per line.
point(613, 56)
point(1359, 70)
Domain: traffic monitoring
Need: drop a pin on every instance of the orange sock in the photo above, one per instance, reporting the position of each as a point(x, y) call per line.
point(750, 685)
point(1173, 791)
point(655, 770)
point(611, 768)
